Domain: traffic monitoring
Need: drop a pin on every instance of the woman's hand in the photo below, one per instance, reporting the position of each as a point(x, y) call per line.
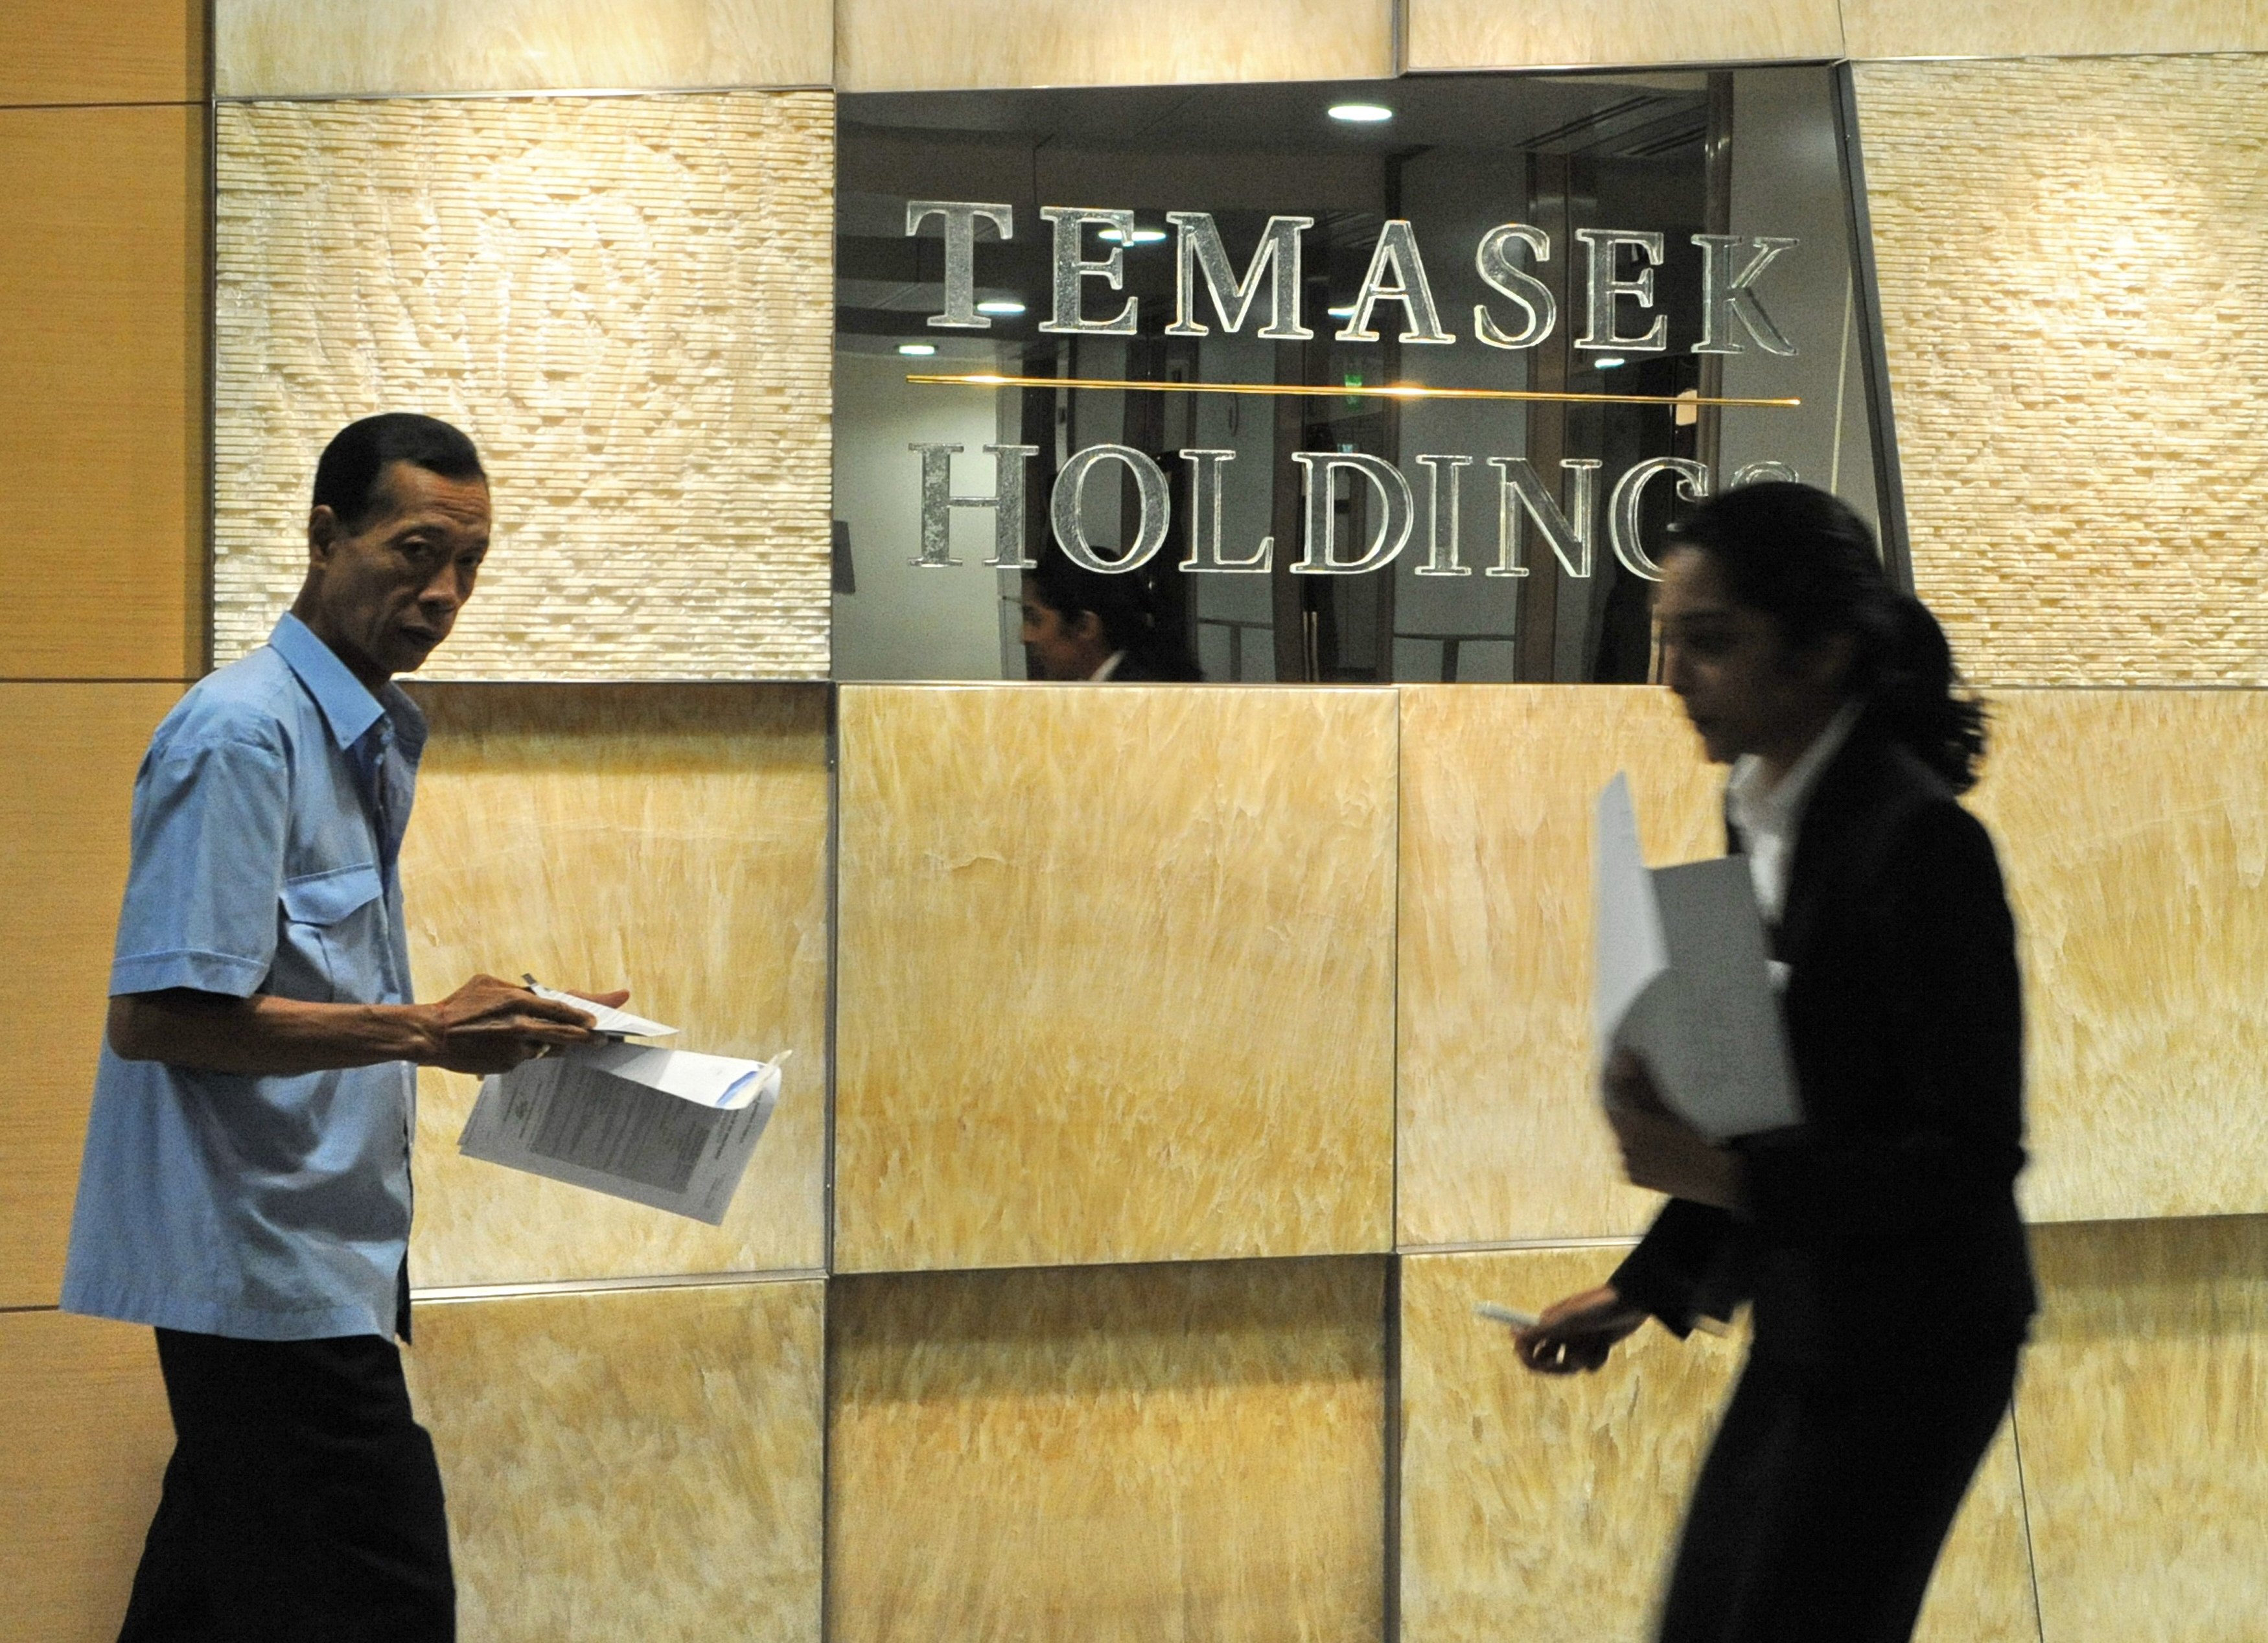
point(1660, 1151)
point(1575, 1335)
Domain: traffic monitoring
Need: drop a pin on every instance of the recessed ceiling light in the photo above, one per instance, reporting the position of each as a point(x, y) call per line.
point(1344, 311)
point(1611, 362)
point(1361, 113)
point(1000, 306)
point(1139, 237)
point(917, 351)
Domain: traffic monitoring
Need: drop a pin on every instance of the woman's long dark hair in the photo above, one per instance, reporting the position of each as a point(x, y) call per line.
point(1803, 558)
point(1126, 605)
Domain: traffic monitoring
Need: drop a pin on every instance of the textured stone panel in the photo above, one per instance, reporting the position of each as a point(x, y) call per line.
point(2072, 290)
point(381, 47)
point(1115, 975)
point(1610, 34)
point(2145, 1451)
point(944, 45)
point(1528, 1500)
point(626, 300)
point(2049, 28)
point(87, 1440)
point(69, 753)
point(1499, 1136)
point(673, 841)
point(2133, 829)
point(102, 274)
point(632, 1463)
point(1108, 1455)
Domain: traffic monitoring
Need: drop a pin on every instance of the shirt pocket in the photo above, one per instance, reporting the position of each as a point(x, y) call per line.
point(333, 937)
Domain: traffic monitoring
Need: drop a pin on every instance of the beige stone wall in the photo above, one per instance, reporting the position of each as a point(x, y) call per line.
point(1098, 1000)
point(1525, 1500)
point(1187, 1451)
point(1388, 1053)
point(888, 45)
point(625, 301)
point(637, 1463)
point(671, 839)
point(387, 48)
point(2071, 290)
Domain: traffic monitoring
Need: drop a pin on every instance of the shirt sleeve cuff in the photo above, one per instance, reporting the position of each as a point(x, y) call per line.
point(224, 973)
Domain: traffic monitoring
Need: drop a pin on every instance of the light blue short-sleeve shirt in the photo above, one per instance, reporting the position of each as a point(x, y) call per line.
point(268, 821)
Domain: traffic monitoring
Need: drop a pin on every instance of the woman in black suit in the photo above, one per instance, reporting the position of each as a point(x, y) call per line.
point(1878, 1239)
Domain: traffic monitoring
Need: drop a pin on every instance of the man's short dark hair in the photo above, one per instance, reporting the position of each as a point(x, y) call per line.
point(346, 479)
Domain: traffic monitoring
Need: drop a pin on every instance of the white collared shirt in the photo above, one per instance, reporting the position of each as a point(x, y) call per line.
point(1109, 666)
point(1769, 816)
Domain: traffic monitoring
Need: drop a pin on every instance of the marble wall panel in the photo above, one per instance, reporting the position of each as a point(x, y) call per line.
point(1611, 33)
point(102, 274)
point(1499, 1136)
point(2133, 829)
point(1109, 1454)
point(387, 47)
point(672, 841)
point(68, 754)
point(87, 1440)
point(2069, 284)
point(2140, 903)
point(942, 45)
point(626, 301)
point(630, 1463)
point(1526, 1500)
point(2145, 1445)
point(129, 51)
point(1953, 28)
point(1115, 974)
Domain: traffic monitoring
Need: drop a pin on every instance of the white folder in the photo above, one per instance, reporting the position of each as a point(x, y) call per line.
point(1683, 981)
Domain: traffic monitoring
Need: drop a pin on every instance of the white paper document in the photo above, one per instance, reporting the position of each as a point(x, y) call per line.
point(1683, 981)
point(606, 1021)
point(667, 1128)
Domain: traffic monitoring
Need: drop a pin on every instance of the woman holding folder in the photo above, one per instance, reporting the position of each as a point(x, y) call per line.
point(1878, 1239)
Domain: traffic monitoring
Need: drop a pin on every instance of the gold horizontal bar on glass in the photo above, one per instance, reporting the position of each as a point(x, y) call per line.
point(1389, 391)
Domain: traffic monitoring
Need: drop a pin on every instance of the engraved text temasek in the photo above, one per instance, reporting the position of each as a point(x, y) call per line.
point(1618, 313)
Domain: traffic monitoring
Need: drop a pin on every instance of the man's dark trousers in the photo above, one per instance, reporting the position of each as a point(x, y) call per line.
point(302, 1503)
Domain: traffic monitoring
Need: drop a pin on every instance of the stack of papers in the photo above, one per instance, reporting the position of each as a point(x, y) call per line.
point(1683, 981)
point(670, 1129)
point(606, 1021)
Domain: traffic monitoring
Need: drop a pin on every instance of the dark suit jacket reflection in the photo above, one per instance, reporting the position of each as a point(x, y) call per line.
point(1885, 1225)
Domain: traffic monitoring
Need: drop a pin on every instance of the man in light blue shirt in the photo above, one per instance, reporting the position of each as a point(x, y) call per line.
point(246, 1188)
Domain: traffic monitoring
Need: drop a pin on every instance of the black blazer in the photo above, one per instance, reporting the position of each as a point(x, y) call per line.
point(1884, 1224)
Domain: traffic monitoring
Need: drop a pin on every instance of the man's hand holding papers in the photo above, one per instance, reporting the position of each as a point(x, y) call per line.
point(492, 1026)
point(670, 1129)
